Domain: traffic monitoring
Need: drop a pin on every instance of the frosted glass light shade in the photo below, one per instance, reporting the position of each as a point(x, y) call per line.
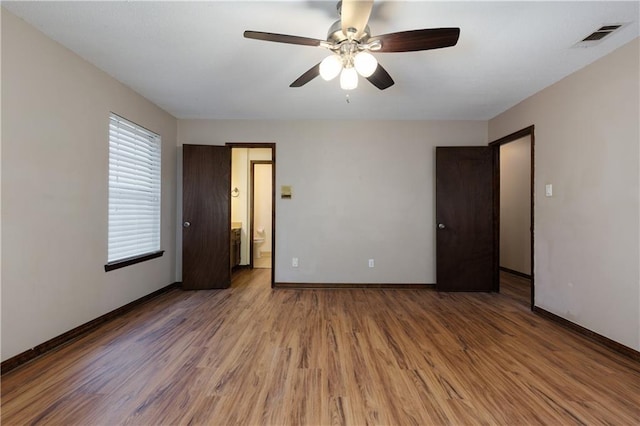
point(330, 67)
point(348, 79)
point(365, 63)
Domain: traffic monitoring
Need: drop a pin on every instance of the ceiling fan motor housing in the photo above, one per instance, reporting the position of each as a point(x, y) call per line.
point(336, 35)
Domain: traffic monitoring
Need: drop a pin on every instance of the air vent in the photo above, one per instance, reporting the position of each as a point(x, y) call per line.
point(598, 35)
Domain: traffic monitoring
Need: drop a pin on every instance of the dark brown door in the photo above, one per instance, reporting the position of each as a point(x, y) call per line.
point(464, 219)
point(206, 215)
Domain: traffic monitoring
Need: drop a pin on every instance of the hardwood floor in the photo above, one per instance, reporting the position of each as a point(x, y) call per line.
point(516, 288)
point(251, 355)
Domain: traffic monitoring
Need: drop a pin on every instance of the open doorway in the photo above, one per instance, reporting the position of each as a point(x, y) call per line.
point(515, 230)
point(261, 220)
point(257, 234)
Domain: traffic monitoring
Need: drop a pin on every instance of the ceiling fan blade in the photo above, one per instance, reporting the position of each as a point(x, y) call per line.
point(411, 41)
point(355, 15)
point(282, 38)
point(312, 73)
point(380, 78)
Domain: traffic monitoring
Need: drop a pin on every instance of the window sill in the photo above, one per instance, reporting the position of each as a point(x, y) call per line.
point(132, 260)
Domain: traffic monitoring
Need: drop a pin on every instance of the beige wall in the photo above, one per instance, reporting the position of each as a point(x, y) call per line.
point(587, 235)
point(361, 190)
point(55, 114)
point(239, 180)
point(262, 204)
point(515, 205)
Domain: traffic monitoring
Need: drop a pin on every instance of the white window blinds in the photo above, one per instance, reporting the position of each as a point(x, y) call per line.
point(134, 190)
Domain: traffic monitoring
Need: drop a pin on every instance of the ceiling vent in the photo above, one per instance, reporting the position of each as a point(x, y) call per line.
point(598, 35)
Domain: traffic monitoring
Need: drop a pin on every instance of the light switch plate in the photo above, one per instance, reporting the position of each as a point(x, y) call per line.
point(548, 190)
point(285, 191)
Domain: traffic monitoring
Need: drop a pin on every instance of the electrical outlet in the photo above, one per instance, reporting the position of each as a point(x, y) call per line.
point(294, 262)
point(372, 263)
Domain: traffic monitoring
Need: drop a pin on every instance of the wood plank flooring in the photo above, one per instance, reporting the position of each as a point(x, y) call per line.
point(516, 288)
point(250, 355)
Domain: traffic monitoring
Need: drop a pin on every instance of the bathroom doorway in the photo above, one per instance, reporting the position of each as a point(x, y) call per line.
point(243, 154)
point(261, 220)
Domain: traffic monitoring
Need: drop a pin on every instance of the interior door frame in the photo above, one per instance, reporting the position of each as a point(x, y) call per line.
point(527, 131)
point(251, 207)
point(271, 145)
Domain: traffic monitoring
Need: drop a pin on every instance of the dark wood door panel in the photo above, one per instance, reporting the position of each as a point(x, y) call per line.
point(464, 219)
point(206, 213)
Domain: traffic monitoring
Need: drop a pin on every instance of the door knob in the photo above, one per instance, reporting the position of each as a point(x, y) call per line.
point(441, 226)
point(186, 224)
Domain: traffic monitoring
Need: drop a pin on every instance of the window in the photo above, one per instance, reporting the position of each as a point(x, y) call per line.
point(134, 194)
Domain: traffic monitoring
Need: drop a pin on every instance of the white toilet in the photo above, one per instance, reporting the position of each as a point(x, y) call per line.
point(258, 239)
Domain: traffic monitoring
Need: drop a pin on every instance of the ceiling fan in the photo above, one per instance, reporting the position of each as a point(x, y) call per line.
point(350, 41)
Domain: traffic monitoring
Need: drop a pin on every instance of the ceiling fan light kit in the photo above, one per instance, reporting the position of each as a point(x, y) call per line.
point(365, 63)
point(350, 42)
point(348, 66)
point(330, 67)
point(348, 78)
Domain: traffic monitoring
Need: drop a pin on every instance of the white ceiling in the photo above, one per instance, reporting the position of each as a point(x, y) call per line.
point(191, 59)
